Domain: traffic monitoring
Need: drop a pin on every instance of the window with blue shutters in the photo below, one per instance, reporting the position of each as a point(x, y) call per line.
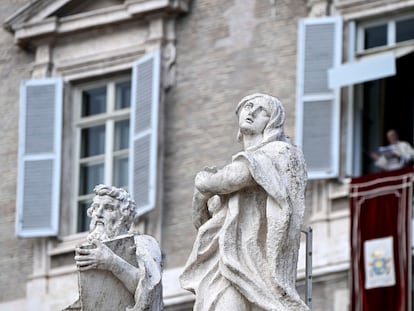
point(115, 139)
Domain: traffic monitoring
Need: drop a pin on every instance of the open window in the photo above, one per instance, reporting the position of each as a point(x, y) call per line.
point(376, 86)
point(380, 93)
point(381, 105)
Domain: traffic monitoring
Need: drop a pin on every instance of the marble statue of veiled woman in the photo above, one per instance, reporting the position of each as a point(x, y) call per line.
point(248, 215)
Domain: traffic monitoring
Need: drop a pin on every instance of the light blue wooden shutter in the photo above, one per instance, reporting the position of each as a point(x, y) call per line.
point(318, 106)
point(40, 134)
point(144, 131)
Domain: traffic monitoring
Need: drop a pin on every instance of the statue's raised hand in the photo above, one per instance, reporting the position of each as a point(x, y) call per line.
point(94, 256)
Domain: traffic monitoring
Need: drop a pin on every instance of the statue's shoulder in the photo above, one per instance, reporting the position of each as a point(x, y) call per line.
point(282, 147)
point(145, 238)
point(284, 150)
point(147, 244)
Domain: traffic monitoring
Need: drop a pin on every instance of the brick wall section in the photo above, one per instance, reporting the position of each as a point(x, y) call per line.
point(16, 254)
point(225, 50)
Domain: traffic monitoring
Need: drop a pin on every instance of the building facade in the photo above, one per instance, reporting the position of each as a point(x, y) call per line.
point(142, 93)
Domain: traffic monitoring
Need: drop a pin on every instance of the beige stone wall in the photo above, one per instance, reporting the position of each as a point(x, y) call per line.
point(16, 254)
point(225, 50)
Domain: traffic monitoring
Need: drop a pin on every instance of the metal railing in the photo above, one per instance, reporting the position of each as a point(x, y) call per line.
point(308, 270)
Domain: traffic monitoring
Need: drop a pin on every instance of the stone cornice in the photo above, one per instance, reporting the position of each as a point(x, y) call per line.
point(105, 63)
point(26, 28)
point(359, 9)
point(25, 13)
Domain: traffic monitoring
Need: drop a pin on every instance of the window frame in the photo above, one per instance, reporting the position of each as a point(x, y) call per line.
point(108, 119)
point(355, 53)
point(390, 22)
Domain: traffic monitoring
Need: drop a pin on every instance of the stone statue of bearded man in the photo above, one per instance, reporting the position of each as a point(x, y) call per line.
point(112, 213)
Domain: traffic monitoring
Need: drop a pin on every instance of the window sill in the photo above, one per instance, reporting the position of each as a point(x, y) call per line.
point(67, 244)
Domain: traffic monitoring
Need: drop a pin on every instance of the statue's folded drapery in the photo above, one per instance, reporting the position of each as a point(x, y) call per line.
point(252, 239)
point(148, 295)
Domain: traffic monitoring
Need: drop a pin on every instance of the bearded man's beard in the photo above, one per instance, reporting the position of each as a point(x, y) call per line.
point(100, 231)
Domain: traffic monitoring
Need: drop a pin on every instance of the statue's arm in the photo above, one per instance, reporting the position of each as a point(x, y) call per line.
point(200, 208)
point(128, 274)
point(230, 178)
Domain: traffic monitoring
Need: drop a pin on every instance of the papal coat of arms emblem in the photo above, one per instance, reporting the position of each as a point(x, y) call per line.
point(379, 263)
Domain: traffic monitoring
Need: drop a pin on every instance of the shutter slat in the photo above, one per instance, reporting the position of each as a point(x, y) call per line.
point(319, 57)
point(142, 172)
point(317, 120)
point(144, 131)
point(40, 111)
point(39, 158)
point(144, 96)
point(318, 113)
point(37, 214)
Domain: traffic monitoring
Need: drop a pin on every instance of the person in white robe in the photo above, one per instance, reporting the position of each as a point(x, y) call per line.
point(394, 156)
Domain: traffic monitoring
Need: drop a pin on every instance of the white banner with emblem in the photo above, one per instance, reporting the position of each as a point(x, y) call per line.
point(379, 263)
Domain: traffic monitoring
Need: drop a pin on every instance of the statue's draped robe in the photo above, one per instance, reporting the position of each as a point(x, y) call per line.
point(251, 241)
point(148, 295)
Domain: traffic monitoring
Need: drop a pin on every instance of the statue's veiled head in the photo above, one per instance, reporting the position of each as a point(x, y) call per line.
point(274, 128)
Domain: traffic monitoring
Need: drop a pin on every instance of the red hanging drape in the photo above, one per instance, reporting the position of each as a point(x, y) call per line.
point(381, 208)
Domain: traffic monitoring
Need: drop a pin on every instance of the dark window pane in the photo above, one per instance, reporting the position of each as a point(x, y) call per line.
point(93, 101)
point(121, 135)
point(90, 176)
point(405, 30)
point(375, 36)
point(83, 219)
point(93, 141)
point(121, 172)
point(123, 95)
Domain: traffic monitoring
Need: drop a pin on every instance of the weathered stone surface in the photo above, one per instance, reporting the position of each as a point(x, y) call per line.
point(100, 289)
point(248, 215)
point(117, 271)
